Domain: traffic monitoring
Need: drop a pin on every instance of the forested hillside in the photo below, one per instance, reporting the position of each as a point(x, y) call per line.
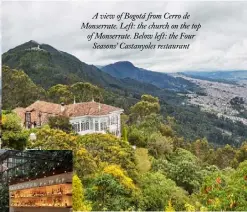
point(34, 71)
point(48, 66)
point(125, 69)
point(191, 123)
point(151, 168)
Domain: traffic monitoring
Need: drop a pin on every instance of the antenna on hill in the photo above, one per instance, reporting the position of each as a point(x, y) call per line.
point(74, 100)
point(92, 99)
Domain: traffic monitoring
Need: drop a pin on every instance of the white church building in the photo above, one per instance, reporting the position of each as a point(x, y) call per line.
point(85, 117)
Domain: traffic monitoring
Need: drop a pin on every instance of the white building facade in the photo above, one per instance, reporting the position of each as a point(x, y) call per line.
point(98, 124)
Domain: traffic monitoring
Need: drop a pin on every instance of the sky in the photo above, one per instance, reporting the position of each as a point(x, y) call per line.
point(220, 44)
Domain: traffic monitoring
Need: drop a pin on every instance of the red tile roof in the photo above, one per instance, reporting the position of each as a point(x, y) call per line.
point(45, 107)
point(89, 108)
point(72, 110)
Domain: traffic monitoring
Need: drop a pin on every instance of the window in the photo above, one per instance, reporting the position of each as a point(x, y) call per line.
point(28, 117)
point(76, 127)
point(103, 126)
point(112, 120)
point(96, 126)
point(91, 124)
point(87, 125)
point(83, 126)
point(28, 120)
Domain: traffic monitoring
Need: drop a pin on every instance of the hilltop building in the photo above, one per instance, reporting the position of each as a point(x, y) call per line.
point(85, 117)
point(36, 48)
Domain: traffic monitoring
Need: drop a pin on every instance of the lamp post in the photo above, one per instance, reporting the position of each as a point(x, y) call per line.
point(32, 137)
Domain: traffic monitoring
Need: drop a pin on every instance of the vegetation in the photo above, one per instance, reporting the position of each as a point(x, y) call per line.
point(13, 136)
point(19, 89)
point(79, 203)
point(4, 197)
point(161, 172)
point(191, 123)
point(60, 122)
point(170, 157)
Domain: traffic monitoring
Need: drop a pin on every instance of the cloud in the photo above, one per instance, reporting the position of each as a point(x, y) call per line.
point(219, 45)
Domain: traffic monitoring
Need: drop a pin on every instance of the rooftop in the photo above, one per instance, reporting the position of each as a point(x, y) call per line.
point(72, 110)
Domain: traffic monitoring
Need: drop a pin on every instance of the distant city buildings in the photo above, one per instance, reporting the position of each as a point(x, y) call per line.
point(218, 99)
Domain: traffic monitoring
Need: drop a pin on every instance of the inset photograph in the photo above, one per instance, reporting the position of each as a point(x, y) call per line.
point(36, 180)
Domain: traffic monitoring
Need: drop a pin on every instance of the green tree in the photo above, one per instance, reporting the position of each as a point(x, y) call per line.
point(143, 163)
point(10, 121)
point(13, 136)
point(112, 189)
point(145, 107)
point(158, 191)
point(213, 192)
point(160, 145)
point(224, 156)
point(238, 187)
point(108, 194)
point(169, 207)
point(4, 197)
point(18, 89)
point(84, 92)
point(125, 134)
point(60, 122)
point(182, 167)
point(53, 139)
point(137, 137)
point(241, 153)
point(149, 98)
point(60, 93)
point(78, 200)
point(106, 148)
point(201, 149)
point(84, 164)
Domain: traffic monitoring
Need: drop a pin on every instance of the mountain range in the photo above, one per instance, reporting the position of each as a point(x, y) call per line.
point(47, 66)
point(125, 69)
point(122, 84)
